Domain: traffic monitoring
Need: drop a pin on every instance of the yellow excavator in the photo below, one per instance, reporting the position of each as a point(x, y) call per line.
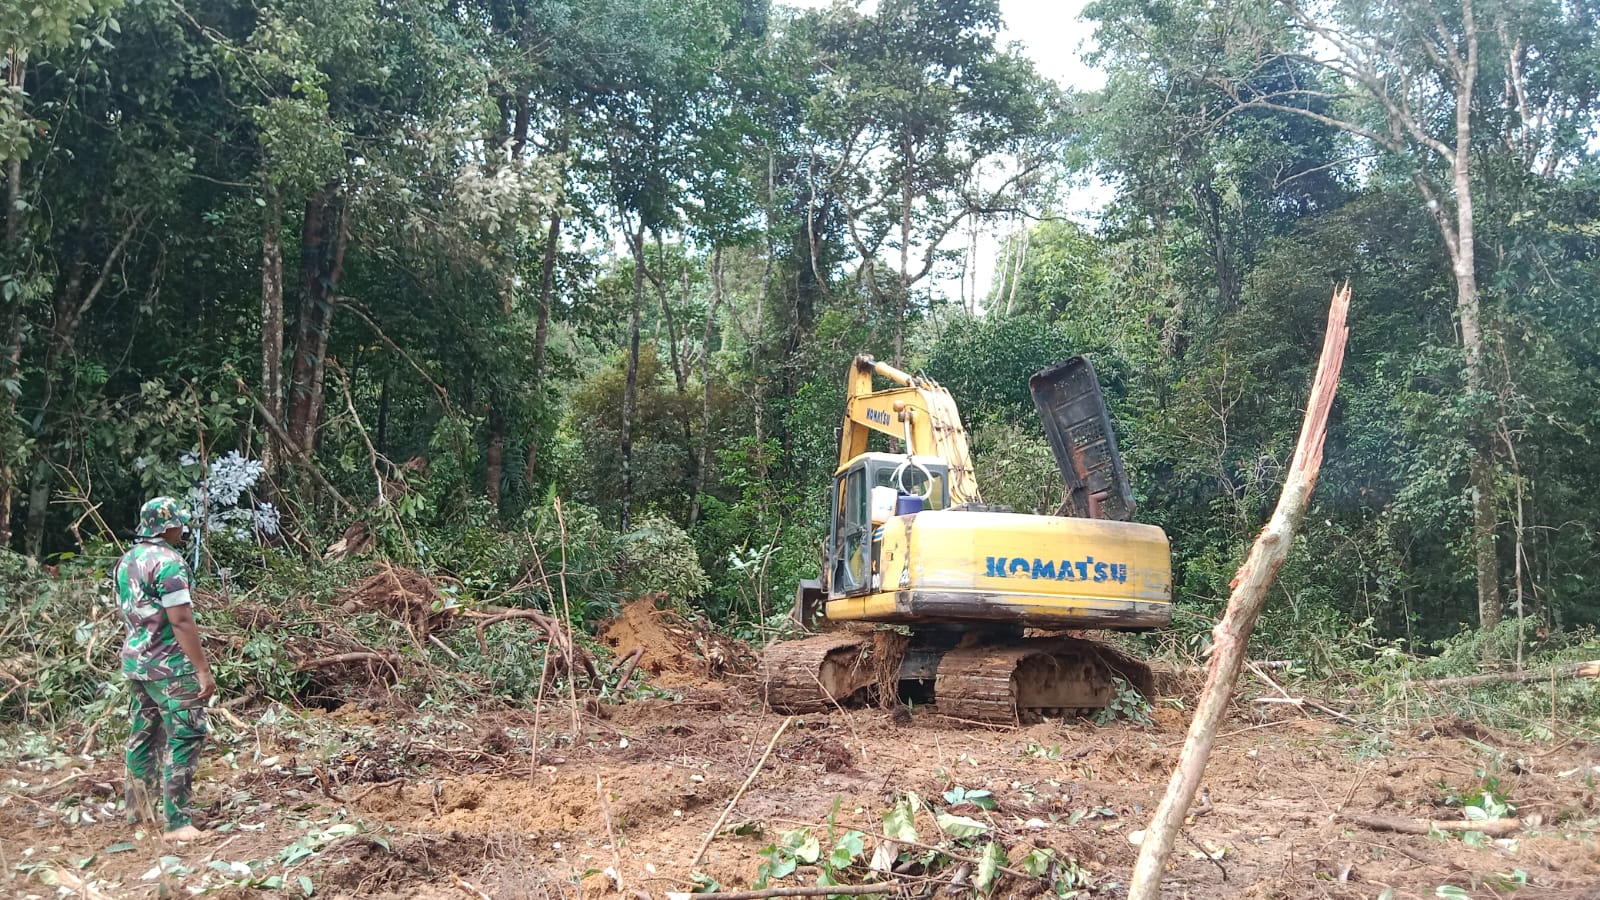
point(930, 596)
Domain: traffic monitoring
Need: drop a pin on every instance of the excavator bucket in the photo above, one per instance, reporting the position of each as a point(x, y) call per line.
point(1075, 421)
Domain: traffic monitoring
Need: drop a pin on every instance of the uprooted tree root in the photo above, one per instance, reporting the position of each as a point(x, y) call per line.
point(403, 594)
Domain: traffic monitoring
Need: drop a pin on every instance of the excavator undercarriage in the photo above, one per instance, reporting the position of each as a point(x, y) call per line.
point(992, 676)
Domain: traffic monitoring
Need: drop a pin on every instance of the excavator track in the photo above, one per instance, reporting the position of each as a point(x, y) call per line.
point(815, 674)
point(1034, 679)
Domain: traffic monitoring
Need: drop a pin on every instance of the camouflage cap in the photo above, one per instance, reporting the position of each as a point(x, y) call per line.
point(161, 513)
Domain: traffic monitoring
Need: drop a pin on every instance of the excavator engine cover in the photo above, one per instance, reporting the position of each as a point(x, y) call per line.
point(1075, 421)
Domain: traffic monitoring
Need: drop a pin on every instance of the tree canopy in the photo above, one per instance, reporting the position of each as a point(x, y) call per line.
point(429, 266)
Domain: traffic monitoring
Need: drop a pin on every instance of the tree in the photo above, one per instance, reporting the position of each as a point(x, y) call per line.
point(921, 122)
point(1412, 79)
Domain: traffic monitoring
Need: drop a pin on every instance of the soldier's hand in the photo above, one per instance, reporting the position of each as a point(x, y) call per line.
point(208, 686)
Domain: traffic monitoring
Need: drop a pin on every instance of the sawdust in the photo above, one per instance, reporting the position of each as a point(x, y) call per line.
point(676, 650)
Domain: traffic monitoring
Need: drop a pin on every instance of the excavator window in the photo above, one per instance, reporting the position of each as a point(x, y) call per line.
point(853, 533)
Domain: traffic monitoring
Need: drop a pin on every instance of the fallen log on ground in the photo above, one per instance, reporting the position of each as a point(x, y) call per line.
point(367, 656)
point(1572, 670)
point(1497, 828)
point(843, 890)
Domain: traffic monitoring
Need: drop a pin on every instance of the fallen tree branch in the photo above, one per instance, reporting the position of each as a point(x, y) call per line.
point(1298, 702)
point(360, 795)
point(336, 659)
point(1571, 670)
point(734, 801)
point(1498, 828)
point(843, 890)
point(1231, 637)
point(559, 637)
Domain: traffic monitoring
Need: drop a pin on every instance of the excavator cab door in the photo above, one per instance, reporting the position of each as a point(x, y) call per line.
point(1079, 430)
point(850, 545)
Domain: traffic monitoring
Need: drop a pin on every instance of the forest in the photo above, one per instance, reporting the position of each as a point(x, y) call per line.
point(476, 290)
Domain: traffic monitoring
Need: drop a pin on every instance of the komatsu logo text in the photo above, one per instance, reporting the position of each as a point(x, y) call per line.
point(878, 415)
point(1088, 569)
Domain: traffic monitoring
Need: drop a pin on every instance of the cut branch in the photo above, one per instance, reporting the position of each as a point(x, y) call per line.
point(1498, 828)
point(1231, 637)
point(841, 890)
point(1573, 670)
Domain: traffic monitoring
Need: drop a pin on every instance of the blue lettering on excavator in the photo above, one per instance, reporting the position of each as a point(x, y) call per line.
point(1087, 569)
point(878, 415)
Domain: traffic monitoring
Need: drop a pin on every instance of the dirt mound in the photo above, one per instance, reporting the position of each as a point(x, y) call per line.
point(673, 649)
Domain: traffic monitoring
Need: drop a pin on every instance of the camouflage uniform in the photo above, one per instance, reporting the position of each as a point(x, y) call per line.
point(164, 704)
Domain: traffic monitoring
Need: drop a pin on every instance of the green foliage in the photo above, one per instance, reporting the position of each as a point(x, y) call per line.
point(1128, 704)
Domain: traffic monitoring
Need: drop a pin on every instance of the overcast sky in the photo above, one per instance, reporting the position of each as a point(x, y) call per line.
point(1055, 39)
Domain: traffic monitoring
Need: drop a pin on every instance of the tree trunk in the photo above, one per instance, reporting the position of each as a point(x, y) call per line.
point(1231, 637)
point(680, 377)
point(541, 328)
point(700, 466)
point(272, 324)
point(383, 420)
point(903, 293)
point(493, 459)
point(1464, 260)
point(11, 347)
point(630, 386)
point(322, 243)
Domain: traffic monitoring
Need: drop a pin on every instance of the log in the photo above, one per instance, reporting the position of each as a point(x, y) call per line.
point(340, 658)
point(1498, 828)
point(843, 890)
point(1231, 637)
point(1572, 670)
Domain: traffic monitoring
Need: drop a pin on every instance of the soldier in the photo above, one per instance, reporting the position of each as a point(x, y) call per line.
point(168, 677)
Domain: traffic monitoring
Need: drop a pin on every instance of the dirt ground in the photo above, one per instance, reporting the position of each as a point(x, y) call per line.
point(444, 803)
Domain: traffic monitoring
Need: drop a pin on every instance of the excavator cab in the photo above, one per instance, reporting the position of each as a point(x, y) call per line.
point(869, 491)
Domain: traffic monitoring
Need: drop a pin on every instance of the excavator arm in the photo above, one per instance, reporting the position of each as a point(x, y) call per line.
point(917, 411)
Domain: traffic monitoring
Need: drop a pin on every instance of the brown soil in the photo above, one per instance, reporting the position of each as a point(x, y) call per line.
point(675, 650)
point(452, 805)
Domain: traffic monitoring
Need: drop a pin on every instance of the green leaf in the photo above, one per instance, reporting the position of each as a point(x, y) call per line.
point(1038, 861)
point(808, 850)
point(899, 823)
point(851, 845)
point(306, 887)
point(959, 826)
point(1451, 892)
point(120, 847)
point(994, 856)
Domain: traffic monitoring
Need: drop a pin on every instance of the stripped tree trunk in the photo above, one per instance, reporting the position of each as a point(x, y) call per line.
point(630, 387)
point(1231, 637)
point(700, 467)
point(272, 324)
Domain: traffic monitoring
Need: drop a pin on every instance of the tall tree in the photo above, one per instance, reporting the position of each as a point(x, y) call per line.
point(1427, 84)
point(916, 109)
